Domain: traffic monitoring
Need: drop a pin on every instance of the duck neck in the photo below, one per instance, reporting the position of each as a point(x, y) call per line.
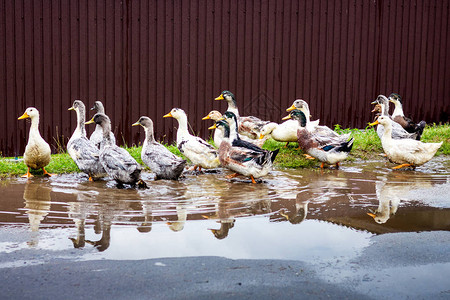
point(398, 110)
point(385, 108)
point(233, 107)
point(34, 129)
point(182, 125)
point(149, 135)
point(387, 135)
point(233, 130)
point(106, 134)
point(81, 117)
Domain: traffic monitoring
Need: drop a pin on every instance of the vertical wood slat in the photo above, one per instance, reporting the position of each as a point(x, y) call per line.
point(143, 58)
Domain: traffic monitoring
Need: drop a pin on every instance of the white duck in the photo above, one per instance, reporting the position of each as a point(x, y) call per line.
point(284, 132)
point(97, 135)
point(405, 152)
point(161, 161)
point(197, 150)
point(37, 152)
point(83, 152)
point(117, 162)
point(249, 126)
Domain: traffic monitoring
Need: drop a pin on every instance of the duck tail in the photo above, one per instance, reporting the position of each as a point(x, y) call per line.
point(345, 146)
point(419, 128)
point(274, 154)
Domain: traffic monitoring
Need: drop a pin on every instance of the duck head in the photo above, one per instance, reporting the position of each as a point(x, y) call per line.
point(298, 104)
point(77, 105)
point(383, 120)
point(381, 99)
point(298, 115)
point(98, 107)
point(144, 121)
point(227, 96)
point(223, 126)
point(30, 112)
point(395, 98)
point(175, 113)
point(213, 115)
point(99, 119)
point(229, 117)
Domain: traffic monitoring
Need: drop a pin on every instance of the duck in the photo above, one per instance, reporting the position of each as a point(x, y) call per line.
point(399, 117)
point(249, 126)
point(37, 153)
point(284, 132)
point(158, 158)
point(83, 152)
point(239, 158)
point(321, 131)
point(398, 132)
point(197, 150)
point(117, 162)
point(218, 135)
point(323, 134)
point(97, 136)
point(328, 150)
point(303, 105)
point(235, 137)
point(404, 152)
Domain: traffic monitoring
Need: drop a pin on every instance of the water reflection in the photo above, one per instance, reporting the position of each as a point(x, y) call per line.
point(235, 201)
point(178, 225)
point(390, 191)
point(37, 205)
point(297, 213)
point(211, 215)
point(147, 211)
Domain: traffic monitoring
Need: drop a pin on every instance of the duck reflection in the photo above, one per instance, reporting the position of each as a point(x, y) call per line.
point(298, 213)
point(178, 225)
point(106, 207)
point(390, 191)
point(37, 204)
point(239, 200)
point(387, 202)
point(147, 210)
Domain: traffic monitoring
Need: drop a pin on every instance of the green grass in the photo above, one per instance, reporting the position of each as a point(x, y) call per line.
point(367, 145)
point(438, 133)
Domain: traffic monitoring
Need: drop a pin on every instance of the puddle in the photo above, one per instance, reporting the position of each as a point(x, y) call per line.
point(306, 214)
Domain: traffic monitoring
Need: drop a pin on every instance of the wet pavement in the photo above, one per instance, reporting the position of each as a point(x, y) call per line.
point(361, 231)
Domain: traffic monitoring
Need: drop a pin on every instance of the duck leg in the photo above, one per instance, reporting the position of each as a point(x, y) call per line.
point(401, 166)
point(308, 156)
point(337, 165)
point(322, 165)
point(253, 179)
point(287, 143)
point(47, 173)
point(28, 175)
point(231, 175)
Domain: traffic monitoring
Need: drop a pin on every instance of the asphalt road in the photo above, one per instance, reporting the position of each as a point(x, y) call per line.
point(394, 266)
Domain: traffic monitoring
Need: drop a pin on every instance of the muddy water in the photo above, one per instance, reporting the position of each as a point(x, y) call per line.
point(305, 214)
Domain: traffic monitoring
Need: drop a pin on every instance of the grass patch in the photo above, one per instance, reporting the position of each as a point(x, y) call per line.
point(367, 145)
point(438, 133)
